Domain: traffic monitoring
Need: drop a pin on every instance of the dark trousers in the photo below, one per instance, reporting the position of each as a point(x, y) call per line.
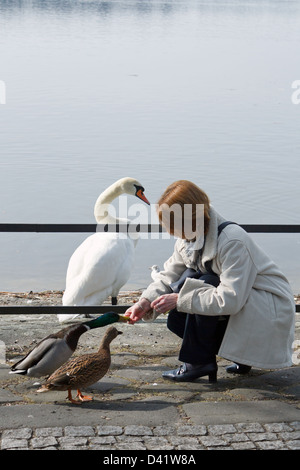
point(201, 335)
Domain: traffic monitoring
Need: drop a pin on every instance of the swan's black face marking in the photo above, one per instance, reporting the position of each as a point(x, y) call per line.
point(137, 188)
point(140, 193)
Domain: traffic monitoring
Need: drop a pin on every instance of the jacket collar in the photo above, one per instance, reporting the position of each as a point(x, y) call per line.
point(190, 255)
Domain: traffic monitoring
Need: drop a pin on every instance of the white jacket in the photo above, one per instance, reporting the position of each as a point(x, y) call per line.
point(252, 290)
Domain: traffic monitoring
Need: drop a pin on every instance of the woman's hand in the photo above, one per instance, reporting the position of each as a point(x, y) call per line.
point(138, 310)
point(164, 303)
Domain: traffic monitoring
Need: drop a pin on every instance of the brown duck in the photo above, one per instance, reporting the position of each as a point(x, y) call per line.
point(82, 371)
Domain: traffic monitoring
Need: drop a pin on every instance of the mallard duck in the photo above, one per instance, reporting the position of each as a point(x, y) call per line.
point(103, 262)
point(82, 371)
point(54, 350)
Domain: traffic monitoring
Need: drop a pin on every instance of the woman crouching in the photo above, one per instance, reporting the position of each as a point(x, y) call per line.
point(224, 295)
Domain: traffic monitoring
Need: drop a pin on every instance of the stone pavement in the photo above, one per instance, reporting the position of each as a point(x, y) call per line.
point(239, 436)
point(135, 409)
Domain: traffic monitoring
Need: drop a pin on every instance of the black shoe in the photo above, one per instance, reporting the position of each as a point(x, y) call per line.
point(238, 369)
point(182, 374)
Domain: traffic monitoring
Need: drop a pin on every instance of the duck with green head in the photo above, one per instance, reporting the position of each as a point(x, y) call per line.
point(54, 350)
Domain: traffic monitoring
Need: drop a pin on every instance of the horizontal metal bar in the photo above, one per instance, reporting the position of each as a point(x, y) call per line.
point(51, 228)
point(48, 228)
point(142, 228)
point(43, 309)
point(271, 228)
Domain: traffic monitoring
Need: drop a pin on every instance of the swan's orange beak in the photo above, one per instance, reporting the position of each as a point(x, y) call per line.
point(142, 196)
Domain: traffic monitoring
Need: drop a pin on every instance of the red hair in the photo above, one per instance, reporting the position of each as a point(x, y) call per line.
point(182, 193)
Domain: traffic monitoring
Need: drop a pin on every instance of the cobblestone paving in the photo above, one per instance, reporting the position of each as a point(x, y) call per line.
point(240, 436)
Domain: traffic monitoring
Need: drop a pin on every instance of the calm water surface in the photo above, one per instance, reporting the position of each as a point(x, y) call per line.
point(156, 90)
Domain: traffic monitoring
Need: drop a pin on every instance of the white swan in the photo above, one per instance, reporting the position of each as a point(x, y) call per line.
point(102, 264)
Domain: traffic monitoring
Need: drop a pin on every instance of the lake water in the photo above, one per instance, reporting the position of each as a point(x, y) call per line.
point(156, 90)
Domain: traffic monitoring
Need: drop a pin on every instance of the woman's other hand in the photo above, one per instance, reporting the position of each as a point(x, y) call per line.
point(164, 303)
point(138, 310)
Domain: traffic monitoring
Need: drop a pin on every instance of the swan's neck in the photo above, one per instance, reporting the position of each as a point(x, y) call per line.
point(103, 203)
point(101, 209)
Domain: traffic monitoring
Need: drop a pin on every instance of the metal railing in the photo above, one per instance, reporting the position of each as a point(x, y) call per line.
point(141, 228)
point(88, 228)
